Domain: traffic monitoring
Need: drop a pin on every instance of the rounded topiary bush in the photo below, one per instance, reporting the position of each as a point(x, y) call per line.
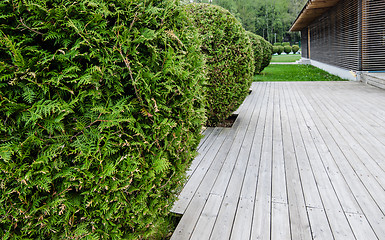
point(101, 111)
point(267, 53)
point(277, 44)
point(280, 50)
point(285, 44)
point(287, 49)
point(229, 59)
point(258, 50)
point(295, 49)
point(275, 49)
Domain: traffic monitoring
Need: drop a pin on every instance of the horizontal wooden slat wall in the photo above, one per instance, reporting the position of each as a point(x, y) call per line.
point(334, 37)
point(304, 46)
point(373, 35)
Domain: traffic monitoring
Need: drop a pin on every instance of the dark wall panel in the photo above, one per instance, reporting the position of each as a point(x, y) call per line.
point(373, 35)
point(304, 51)
point(334, 37)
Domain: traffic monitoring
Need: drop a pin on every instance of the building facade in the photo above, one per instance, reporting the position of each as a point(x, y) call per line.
point(348, 34)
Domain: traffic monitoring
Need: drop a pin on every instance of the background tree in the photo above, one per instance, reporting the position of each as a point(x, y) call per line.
point(270, 19)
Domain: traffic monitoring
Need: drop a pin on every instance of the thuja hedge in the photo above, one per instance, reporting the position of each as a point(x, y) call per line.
point(287, 49)
point(258, 50)
point(229, 59)
point(279, 50)
point(101, 110)
point(295, 49)
point(267, 53)
point(275, 49)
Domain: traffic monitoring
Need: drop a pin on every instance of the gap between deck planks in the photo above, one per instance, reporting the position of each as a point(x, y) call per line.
point(304, 160)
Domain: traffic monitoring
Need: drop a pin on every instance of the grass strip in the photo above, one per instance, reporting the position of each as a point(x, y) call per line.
point(294, 72)
point(286, 58)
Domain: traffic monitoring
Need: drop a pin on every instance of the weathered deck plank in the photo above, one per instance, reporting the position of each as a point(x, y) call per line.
point(339, 225)
point(280, 224)
point(235, 178)
point(197, 197)
point(244, 213)
point(299, 222)
point(304, 160)
point(341, 154)
point(262, 206)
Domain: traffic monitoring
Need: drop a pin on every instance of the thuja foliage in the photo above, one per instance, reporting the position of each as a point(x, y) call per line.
point(279, 50)
point(295, 48)
point(101, 110)
point(275, 49)
point(287, 49)
point(258, 50)
point(229, 59)
point(267, 52)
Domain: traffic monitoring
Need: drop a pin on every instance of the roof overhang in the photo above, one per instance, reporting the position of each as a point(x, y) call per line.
point(311, 11)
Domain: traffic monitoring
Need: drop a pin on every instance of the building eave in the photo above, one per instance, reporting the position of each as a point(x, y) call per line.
point(311, 11)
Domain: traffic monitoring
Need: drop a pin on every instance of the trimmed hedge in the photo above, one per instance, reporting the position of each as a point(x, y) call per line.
point(275, 49)
point(229, 59)
point(101, 111)
point(277, 44)
point(285, 44)
point(267, 53)
point(280, 50)
point(295, 48)
point(258, 50)
point(287, 49)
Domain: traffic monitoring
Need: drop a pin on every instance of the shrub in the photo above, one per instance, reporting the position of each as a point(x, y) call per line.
point(101, 111)
point(267, 53)
point(229, 59)
point(275, 49)
point(287, 49)
point(258, 50)
point(295, 49)
point(280, 50)
point(285, 44)
point(277, 44)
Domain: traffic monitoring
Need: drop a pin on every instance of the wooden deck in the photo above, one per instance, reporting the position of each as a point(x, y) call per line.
point(304, 160)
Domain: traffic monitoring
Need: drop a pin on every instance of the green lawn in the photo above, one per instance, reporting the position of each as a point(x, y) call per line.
point(286, 58)
point(294, 72)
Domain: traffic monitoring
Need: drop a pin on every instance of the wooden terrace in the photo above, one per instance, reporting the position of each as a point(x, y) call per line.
point(304, 160)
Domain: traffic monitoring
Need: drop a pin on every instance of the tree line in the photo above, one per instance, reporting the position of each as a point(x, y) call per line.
point(270, 19)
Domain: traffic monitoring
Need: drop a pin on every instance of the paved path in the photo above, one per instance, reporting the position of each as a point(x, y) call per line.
point(283, 63)
point(304, 160)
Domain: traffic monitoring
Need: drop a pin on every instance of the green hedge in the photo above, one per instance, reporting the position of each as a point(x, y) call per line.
point(277, 44)
point(229, 59)
point(295, 48)
point(267, 53)
point(101, 111)
point(287, 49)
point(279, 50)
point(275, 49)
point(258, 50)
point(285, 44)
